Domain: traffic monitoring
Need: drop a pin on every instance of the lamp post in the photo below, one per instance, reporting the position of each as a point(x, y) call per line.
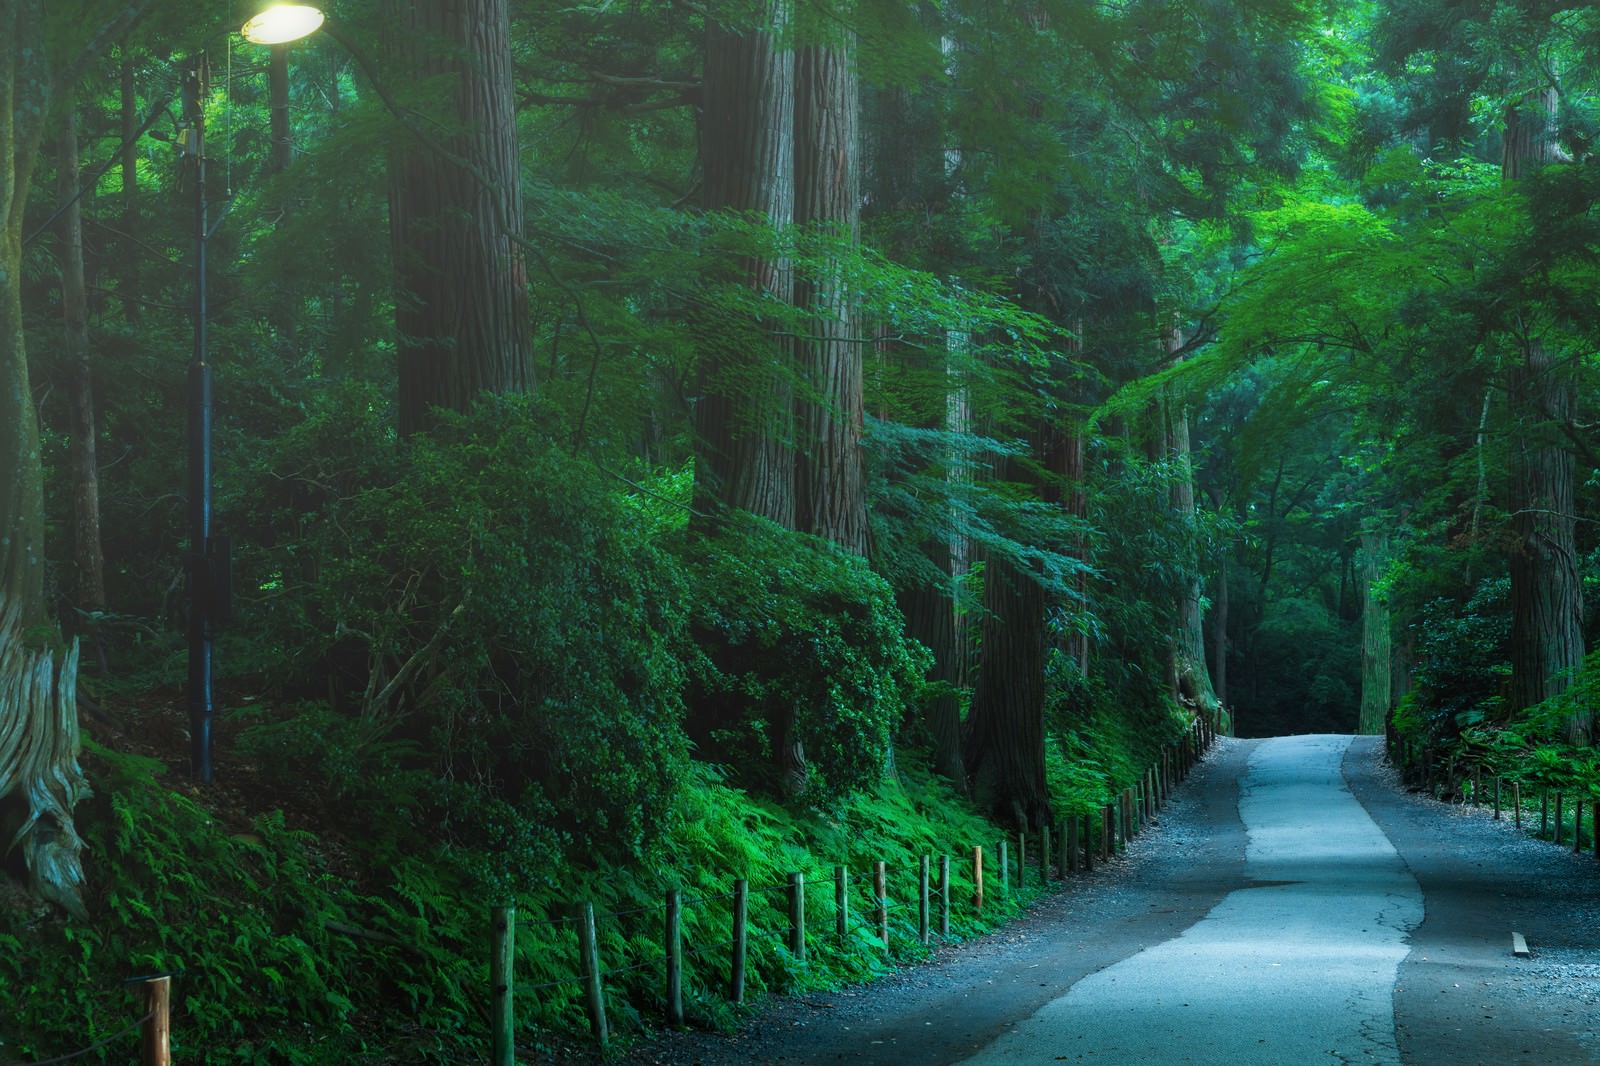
point(204, 552)
point(208, 561)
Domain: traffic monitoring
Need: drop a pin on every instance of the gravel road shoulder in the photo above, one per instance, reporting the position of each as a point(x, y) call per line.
point(1461, 998)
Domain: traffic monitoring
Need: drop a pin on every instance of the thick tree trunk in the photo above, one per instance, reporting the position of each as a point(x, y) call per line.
point(1193, 679)
point(88, 561)
point(461, 312)
point(1377, 649)
point(1004, 742)
point(744, 417)
point(1546, 591)
point(39, 771)
point(1219, 632)
point(832, 496)
point(931, 619)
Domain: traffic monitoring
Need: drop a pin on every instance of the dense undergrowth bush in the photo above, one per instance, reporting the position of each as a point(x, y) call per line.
point(796, 638)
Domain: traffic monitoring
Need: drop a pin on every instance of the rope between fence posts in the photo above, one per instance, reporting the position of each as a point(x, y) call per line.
point(550, 984)
point(95, 1047)
point(530, 923)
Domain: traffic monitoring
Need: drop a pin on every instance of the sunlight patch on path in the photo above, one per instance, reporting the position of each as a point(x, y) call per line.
point(1298, 968)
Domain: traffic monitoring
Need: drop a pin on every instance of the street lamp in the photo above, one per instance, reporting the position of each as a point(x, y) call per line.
point(208, 563)
point(282, 23)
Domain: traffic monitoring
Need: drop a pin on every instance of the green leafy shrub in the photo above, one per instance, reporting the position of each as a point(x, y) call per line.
point(489, 610)
point(790, 628)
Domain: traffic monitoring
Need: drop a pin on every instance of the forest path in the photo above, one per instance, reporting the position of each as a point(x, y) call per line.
point(1291, 905)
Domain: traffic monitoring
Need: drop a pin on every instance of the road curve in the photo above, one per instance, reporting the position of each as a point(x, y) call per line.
point(1298, 967)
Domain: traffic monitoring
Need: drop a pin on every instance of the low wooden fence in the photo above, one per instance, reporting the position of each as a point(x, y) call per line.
point(154, 1028)
point(1559, 806)
point(858, 902)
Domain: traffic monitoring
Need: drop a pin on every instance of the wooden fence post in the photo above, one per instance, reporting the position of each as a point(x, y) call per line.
point(741, 908)
point(797, 916)
point(1108, 822)
point(1044, 855)
point(1005, 868)
point(923, 923)
point(880, 888)
point(1577, 827)
point(1497, 798)
point(841, 902)
point(672, 934)
point(155, 1035)
point(977, 879)
point(1544, 813)
point(1088, 844)
point(1516, 802)
point(1022, 859)
point(1560, 827)
point(1594, 820)
point(594, 992)
point(502, 932)
point(944, 895)
point(1068, 862)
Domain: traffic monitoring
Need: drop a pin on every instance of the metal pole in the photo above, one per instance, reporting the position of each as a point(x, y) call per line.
point(199, 496)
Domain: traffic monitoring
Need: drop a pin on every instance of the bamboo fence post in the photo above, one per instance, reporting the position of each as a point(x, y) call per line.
point(594, 993)
point(1516, 802)
point(672, 934)
point(977, 879)
point(841, 902)
point(923, 924)
point(880, 888)
point(944, 895)
point(155, 1033)
point(502, 932)
point(741, 908)
point(1005, 868)
point(797, 916)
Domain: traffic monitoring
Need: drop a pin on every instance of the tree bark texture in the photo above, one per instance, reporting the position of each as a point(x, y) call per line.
point(744, 416)
point(461, 312)
point(38, 692)
point(1377, 648)
point(88, 561)
point(832, 496)
point(1546, 590)
point(1004, 742)
point(931, 619)
point(1193, 679)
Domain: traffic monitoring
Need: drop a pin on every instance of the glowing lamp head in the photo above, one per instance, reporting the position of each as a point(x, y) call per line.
point(282, 23)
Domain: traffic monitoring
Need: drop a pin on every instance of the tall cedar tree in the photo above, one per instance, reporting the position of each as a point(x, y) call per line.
point(743, 415)
point(455, 214)
point(831, 494)
point(1546, 590)
point(38, 706)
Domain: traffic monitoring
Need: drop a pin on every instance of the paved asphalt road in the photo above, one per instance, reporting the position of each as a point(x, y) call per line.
point(1291, 906)
point(1298, 967)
